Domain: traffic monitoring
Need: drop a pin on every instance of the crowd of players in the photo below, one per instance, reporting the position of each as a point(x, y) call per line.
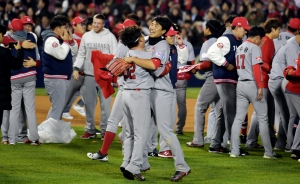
point(259, 68)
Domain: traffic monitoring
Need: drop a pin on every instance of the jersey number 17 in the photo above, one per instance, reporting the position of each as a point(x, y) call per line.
point(242, 59)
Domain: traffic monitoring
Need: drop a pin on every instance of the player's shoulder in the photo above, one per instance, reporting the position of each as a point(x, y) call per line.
point(162, 43)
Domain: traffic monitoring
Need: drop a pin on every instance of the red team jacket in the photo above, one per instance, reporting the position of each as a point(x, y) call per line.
point(294, 80)
point(267, 50)
point(100, 60)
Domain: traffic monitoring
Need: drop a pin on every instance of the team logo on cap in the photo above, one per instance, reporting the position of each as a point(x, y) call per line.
point(28, 19)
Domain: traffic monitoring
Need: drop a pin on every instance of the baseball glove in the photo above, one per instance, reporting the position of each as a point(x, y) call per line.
point(117, 66)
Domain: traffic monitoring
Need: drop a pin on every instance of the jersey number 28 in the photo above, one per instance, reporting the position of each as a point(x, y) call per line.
point(242, 59)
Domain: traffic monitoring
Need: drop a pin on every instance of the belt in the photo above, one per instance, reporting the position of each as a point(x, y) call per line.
point(81, 73)
point(246, 80)
point(137, 89)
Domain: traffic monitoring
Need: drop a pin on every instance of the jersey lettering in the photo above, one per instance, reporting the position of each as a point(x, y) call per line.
point(242, 58)
point(234, 48)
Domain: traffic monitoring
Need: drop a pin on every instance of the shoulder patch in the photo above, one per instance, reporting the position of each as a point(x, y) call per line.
point(220, 45)
point(54, 45)
point(160, 55)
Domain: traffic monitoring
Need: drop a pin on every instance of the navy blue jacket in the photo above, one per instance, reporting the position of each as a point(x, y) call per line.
point(173, 60)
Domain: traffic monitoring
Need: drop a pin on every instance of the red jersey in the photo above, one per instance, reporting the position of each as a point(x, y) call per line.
point(294, 83)
point(268, 51)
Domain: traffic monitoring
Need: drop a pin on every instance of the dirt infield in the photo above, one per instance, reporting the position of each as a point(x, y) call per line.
point(43, 105)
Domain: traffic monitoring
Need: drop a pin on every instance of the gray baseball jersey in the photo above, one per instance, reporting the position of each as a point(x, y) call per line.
point(203, 55)
point(161, 50)
point(136, 76)
point(282, 39)
point(287, 55)
point(121, 51)
point(190, 49)
point(247, 55)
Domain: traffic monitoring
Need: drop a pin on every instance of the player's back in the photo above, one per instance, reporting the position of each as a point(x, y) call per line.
point(282, 39)
point(247, 55)
point(136, 76)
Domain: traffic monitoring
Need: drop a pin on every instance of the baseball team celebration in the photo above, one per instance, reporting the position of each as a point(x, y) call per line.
point(140, 60)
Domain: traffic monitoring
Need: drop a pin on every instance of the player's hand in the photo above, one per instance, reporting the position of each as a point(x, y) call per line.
point(65, 35)
point(18, 46)
point(129, 59)
point(179, 39)
point(193, 71)
point(29, 63)
point(76, 74)
point(70, 34)
point(259, 94)
point(230, 67)
point(27, 44)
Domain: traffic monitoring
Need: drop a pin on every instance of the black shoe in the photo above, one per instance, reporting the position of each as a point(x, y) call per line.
point(127, 174)
point(139, 176)
point(97, 131)
point(218, 150)
point(243, 139)
point(295, 154)
point(152, 154)
point(243, 152)
point(179, 175)
point(179, 132)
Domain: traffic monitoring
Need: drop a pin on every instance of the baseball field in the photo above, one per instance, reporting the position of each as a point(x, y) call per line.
point(67, 163)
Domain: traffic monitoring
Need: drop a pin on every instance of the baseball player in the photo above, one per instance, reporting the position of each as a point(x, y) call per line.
point(208, 94)
point(248, 64)
point(101, 39)
point(23, 86)
point(136, 103)
point(292, 90)
point(59, 47)
point(286, 56)
point(178, 53)
point(79, 29)
point(272, 30)
point(182, 83)
point(116, 111)
point(8, 62)
point(222, 54)
point(162, 93)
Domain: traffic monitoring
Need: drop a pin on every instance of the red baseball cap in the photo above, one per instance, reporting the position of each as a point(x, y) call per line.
point(27, 20)
point(77, 20)
point(92, 5)
point(241, 21)
point(294, 23)
point(16, 25)
point(126, 23)
point(171, 32)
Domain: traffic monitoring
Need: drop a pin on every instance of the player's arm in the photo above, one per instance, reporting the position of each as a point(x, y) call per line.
point(291, 73)
point(191, 54)
point(267, 50)
point(218, 50)
point(151, 64)
point(113, 44)
point(257, 71)
point(55, 49)
point(183, 53)
point(15, 63)
point(79, 61)
point(291, 56)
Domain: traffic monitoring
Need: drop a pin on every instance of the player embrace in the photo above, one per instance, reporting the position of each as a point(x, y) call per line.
point(248, 65)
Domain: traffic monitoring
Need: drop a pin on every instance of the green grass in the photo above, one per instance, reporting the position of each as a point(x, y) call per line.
point(67, 163)
point(190, 93)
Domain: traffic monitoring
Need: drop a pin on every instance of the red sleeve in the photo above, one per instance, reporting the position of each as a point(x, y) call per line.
point(204, 65)
point(38, 63)
point(296, 73)
point(257, 75)
point(7, 39)
point(168, 67)
point(267, 50)
point(156, 62)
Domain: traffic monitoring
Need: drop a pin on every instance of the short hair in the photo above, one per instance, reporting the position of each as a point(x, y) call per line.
point(230, 19)
point(135, 18)
point(130, 36)
point(271, 23)
point(2, 30)
point(99, 16)
point(58, 21)
point(163, 21)
point(215, 27)
point(256, 31)
point(292, 29)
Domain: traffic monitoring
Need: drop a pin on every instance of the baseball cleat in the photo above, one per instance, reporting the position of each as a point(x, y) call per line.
point(218, 150)
point(235, 156)
point(98, 131)
point(98, 156)
point(79, 109)
point(67, 115)
point(165, 154)
point(4, 142)
point(179, 175)
point(127, 174)
point(35, 143)
point(243, 139)
point(87, 135)
point(243, 152)
point(254, 145)
point(192, 144)
point(275, 156)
